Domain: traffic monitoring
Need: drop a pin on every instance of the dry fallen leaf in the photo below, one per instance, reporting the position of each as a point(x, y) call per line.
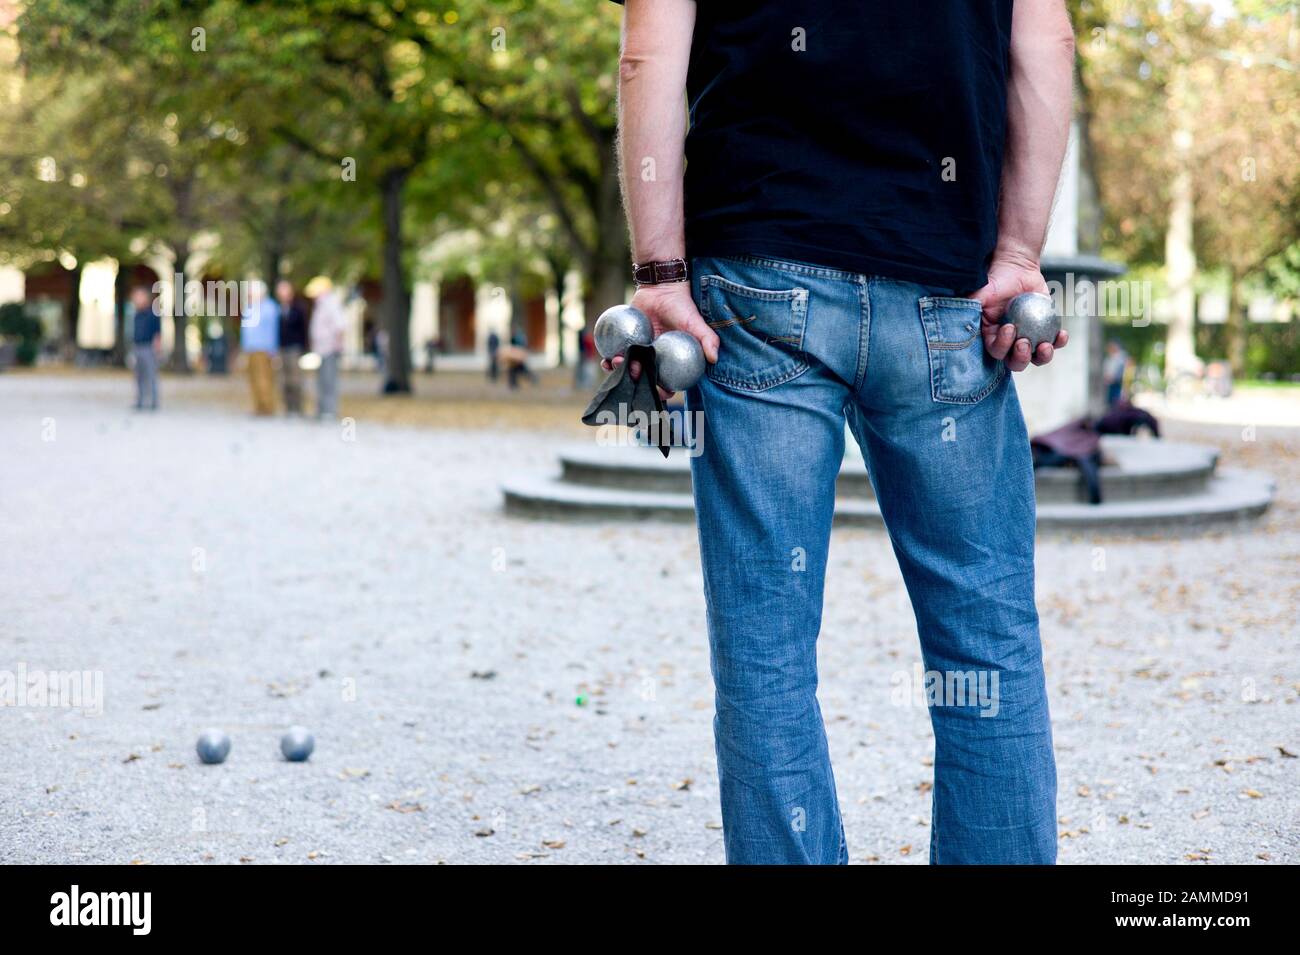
point(404, 807)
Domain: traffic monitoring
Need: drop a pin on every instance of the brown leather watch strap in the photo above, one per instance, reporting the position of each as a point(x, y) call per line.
point(660, 273)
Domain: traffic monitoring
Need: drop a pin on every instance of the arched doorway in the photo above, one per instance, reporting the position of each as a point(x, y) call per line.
point(49, 295)
point(535, 323)
point(456, 314)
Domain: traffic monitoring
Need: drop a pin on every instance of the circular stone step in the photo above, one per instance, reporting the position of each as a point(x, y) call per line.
point(1141, 470)
point(1229, 497)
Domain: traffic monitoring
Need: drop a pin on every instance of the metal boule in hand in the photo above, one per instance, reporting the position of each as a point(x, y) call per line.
point(679, 360)
point(619, 327)
point(1035, 318)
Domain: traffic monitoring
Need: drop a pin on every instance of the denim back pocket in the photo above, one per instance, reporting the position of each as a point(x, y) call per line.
point(961, 371)
point(761, 332)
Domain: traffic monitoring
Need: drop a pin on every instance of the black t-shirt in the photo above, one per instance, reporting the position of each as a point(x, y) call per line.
point(861, 136)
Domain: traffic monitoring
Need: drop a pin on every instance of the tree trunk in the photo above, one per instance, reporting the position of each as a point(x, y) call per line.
point(180, 360)
point(1237, 324)
point(559, 269)
point(74, 311)
point(1180, 254)
point(1090, 212)
point(397, 303)
point(606, 282)
point(608, 267)
point(272, 266)
point(121, 294)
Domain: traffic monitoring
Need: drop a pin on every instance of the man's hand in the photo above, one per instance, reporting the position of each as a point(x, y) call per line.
point(671, 307)
point(1011, 274)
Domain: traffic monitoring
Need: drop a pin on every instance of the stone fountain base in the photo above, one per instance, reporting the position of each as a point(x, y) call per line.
point(1151, 486)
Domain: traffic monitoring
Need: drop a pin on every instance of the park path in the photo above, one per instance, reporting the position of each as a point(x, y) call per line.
point(477, 693)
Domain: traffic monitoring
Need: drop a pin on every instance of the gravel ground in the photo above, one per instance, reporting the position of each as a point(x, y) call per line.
point(253, 574)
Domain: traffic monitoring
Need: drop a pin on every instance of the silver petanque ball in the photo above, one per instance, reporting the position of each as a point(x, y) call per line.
point(297, 744)
point(1035, 318)
point(619, 327)
point(679, 360)
point(213, 746)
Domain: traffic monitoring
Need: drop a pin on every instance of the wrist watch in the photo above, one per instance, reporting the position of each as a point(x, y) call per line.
point(660, 273)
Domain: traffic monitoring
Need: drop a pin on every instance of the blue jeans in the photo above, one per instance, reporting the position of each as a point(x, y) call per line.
point(805, 349)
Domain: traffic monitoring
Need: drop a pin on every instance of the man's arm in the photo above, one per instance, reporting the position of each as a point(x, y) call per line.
point(656, 50)
point(1039, 92)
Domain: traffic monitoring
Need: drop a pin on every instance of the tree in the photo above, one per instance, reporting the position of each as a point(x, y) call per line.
point(68, 186)
point(1248, 180)
point(171, 126)
point(389, 100)
point(343, 83)
point(547, 81)
point(1195, 143)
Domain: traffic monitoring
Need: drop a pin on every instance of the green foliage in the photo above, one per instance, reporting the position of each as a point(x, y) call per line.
point(1283, 273)
point(22, 329)
point(487, 109)
point(1272, 348)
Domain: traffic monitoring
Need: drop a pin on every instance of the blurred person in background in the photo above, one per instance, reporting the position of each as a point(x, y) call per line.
point(146, 338)
point(329, 323)
point(1112, 371)
point(293, 342)
point(381, 357)
point(515, 358)
point(259, 337)
point(494, 355)
point(585, 364)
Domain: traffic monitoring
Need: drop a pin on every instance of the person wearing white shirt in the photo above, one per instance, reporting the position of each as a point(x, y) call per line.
point(329, 323)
